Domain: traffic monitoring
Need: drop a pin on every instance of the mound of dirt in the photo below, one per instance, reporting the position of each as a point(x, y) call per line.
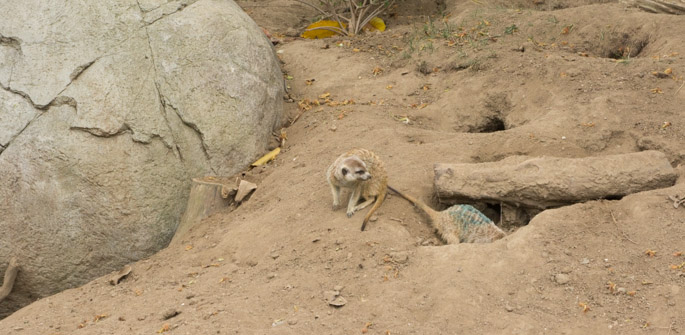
point(470, 82)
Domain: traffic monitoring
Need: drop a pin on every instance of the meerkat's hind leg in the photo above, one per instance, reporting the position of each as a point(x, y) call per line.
point(354, 199)
point(365, 204)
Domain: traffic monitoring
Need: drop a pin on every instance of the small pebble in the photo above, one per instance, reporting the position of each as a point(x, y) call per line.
point(271, 276)
point(562, 279)
point(585, 261)
point(509, 308)
point(170, 313)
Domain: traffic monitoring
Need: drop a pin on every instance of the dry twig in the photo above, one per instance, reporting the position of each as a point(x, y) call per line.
point(613, 218)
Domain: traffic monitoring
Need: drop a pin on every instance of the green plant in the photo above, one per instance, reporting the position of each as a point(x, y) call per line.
point(351, 15)
point(511, 29)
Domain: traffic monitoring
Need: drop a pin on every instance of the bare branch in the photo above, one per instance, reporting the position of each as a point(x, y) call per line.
point(315, 7)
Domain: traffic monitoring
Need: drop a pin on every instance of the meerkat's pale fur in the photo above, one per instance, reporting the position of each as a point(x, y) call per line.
point(459, 223)
point(363, 173)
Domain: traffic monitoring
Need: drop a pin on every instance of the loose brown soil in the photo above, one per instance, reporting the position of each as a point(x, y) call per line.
point(448, 81)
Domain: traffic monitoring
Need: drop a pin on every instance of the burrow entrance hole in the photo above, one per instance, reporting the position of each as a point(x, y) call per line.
point(620, 45)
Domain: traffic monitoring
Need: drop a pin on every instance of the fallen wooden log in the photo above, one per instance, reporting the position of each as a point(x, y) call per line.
point(676, 7)
point(10, 276)
point(545, 182)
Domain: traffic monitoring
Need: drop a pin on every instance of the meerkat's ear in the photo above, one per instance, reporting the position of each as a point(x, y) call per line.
point(344, 171)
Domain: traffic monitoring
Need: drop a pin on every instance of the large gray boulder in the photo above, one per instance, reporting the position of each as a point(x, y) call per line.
point(107, 109)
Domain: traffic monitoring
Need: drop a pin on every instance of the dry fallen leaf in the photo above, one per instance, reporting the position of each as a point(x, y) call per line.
point(325, 95)
point(584, 306)
point(676, 267)
point(631, 293)
point(611, 286)
point(165, 328)
point(389, 87)
point(99, 317)
point(566, 30)
point(650, 252)
point(309, 82)
point(189, 247)
point(678, 253)
point(656, 91)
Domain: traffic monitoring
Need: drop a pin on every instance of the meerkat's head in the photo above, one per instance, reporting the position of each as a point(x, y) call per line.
point(354, 169)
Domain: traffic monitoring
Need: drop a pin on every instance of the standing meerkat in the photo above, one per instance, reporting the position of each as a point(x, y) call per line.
point(459, 223)
point(362, 172)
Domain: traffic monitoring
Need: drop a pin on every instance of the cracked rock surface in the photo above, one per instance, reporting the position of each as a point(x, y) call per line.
point(107, 110)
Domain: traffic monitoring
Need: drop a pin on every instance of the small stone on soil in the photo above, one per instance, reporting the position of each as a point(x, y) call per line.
point(170, 313)
point(562, 279)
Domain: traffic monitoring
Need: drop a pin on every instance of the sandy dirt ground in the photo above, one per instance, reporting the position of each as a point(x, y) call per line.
point(448, 82)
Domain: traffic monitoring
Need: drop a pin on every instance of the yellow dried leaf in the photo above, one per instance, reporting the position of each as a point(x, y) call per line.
point(323, 29)
point(165, 328)
point(584, 306)
point(325, 95)
point(189, 247)
point(268, 157)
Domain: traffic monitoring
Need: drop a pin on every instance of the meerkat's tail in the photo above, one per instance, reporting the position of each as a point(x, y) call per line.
point(418, 203)
point(379, 201)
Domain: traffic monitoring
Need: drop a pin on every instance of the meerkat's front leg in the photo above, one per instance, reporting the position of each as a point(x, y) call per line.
point(354, 199)
point(336, 196)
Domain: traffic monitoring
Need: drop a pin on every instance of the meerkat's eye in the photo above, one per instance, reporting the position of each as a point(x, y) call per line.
point(344, 171)
point(360, 172)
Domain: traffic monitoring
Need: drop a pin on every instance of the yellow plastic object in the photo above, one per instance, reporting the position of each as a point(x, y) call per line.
point(268, 157)
point(376, 23)
point(322, 29)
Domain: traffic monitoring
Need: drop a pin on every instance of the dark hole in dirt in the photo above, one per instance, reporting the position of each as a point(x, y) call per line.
point(614, 197)
point(623, 47)
point(491, 125)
